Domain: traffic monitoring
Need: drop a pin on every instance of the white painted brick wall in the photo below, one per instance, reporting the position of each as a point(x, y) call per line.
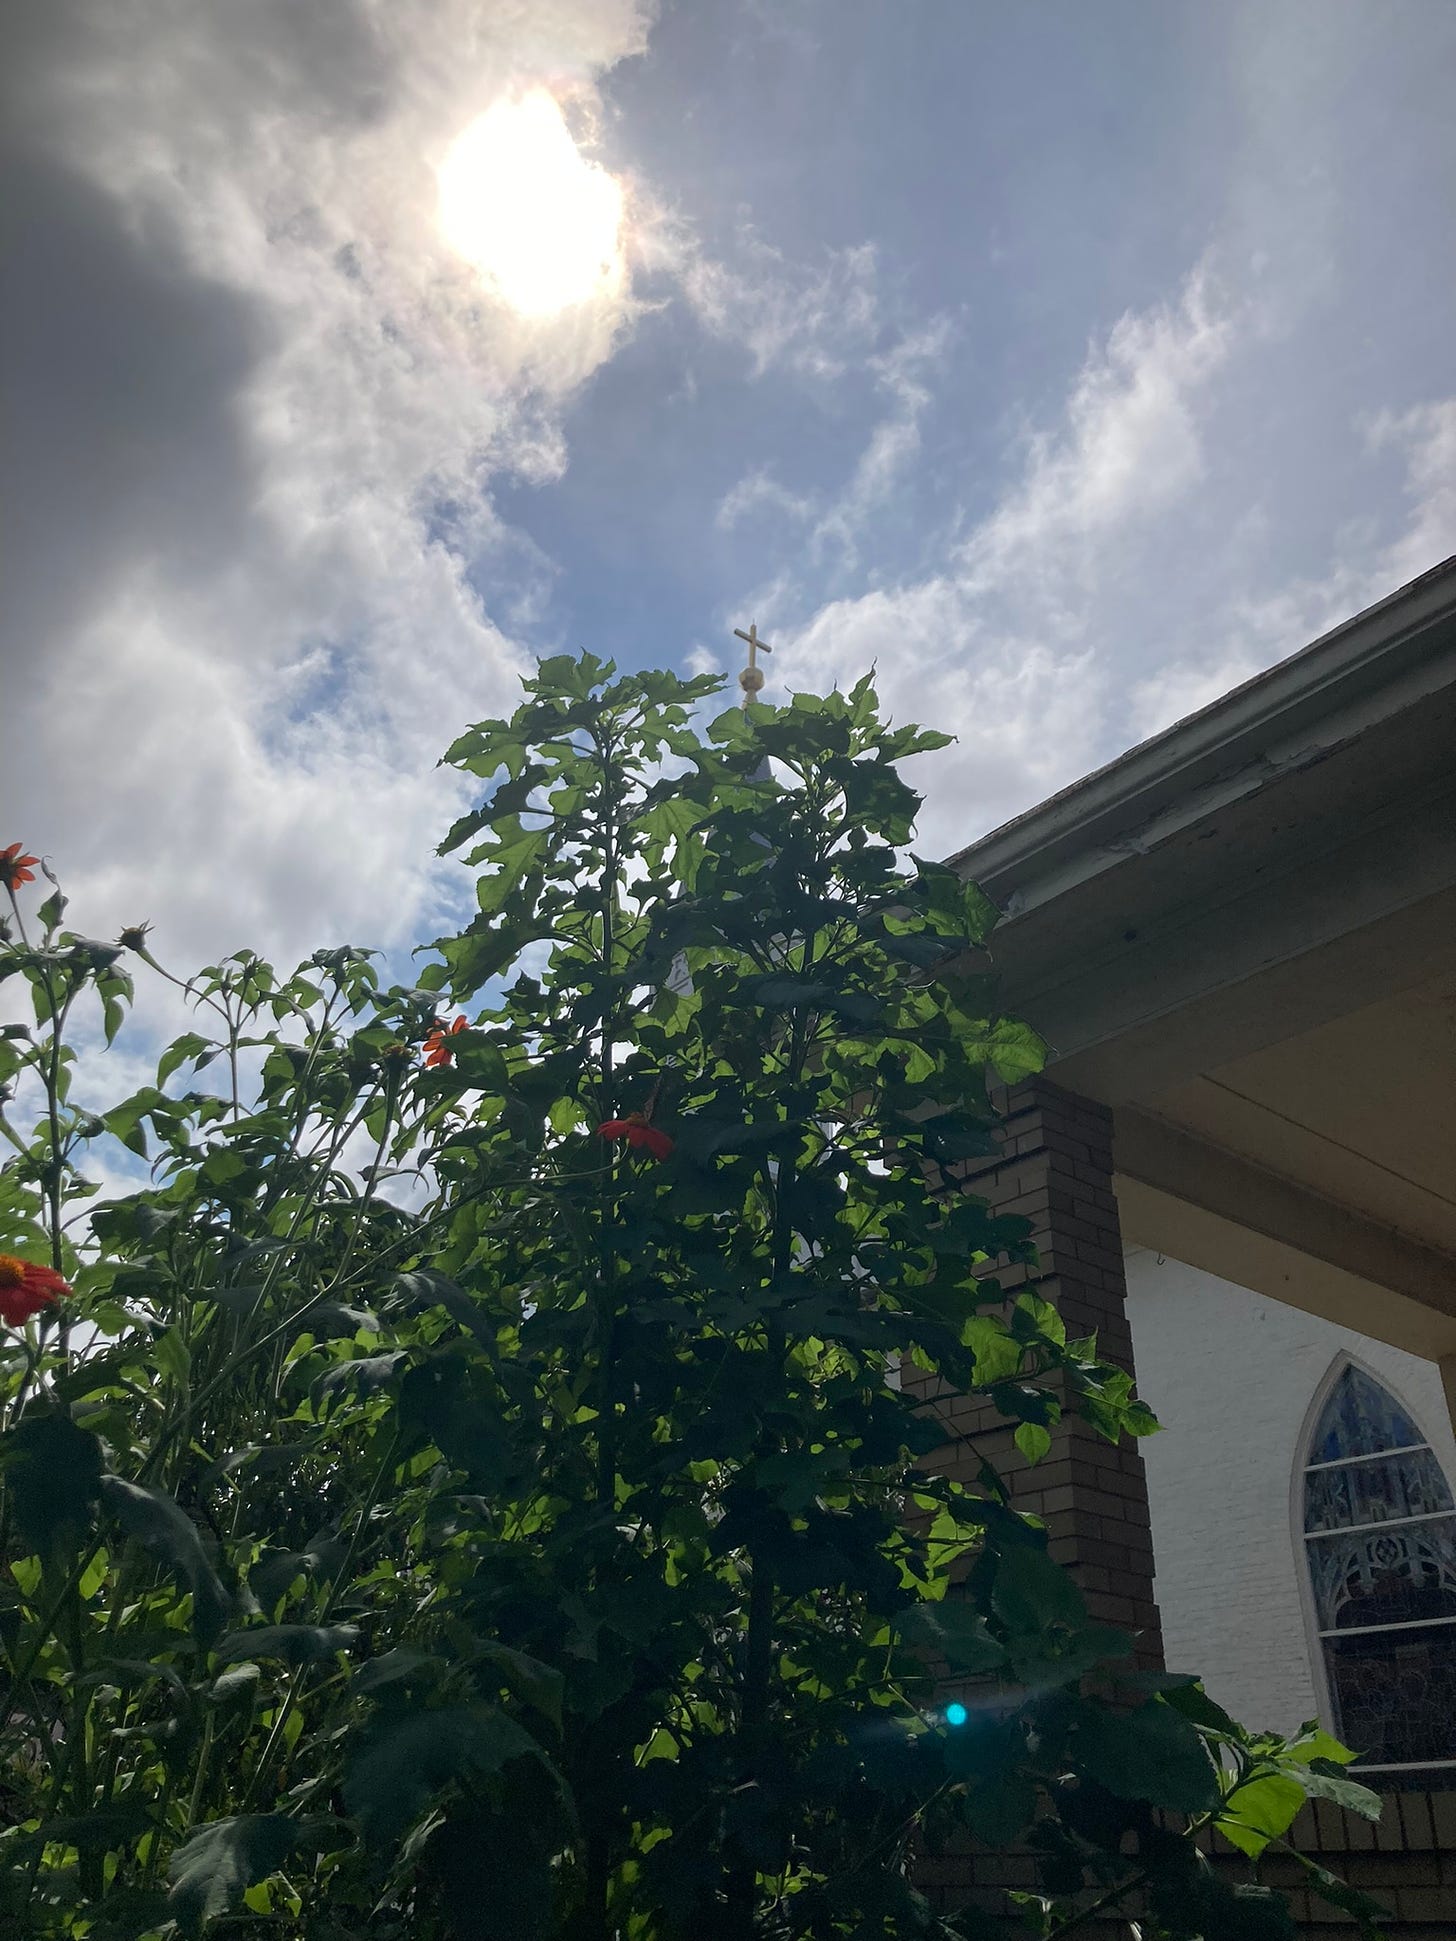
point(1232, 1376)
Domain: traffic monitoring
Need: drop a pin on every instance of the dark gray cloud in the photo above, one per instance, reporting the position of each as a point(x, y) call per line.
point(120, 370)
point(253, 408)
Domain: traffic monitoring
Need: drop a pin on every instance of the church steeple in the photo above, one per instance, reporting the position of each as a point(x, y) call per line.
point(751, 678)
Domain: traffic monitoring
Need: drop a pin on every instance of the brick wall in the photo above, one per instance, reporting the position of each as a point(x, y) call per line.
point(1406, 1862)
point(1055, 1169)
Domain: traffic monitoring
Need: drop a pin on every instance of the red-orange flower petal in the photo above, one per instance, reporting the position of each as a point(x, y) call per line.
point(653, 1138)
point(16, 869)
point(26, 1288)
point(437, 1052)
point(638, 1134)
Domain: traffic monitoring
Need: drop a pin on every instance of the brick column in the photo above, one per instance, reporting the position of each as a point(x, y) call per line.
point(1055, 1169)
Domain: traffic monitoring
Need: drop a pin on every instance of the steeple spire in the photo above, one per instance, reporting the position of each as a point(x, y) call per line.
point(751, 679)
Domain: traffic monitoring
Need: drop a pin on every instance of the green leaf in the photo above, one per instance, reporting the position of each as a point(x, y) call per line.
point(1340, 1791)
point(295, 1644)
point(1315, 1743)
point(115, 989)
point(955, 1631)
point(1261, 1810)
point(1032, 1440)
point(1015, 1050)
point(998, 1355)
point(1151, 1754)
point(406, 1759)
point(1370, 1916)
point(365, 1374)
point(102, 1827)
point(1030, 1592)
point(1198, 1708)
point(190, 1045)
point(172, 1357)
point(538, 1685)
point(53, 1475)
point(402, 1664)
point(238, 1681)
point(169, 1535)
point(212, 1870)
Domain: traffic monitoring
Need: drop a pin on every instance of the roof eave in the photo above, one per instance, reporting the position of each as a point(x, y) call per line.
point(1363, 670)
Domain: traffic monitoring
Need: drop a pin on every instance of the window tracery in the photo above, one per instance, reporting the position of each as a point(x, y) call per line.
point(1380, 1542)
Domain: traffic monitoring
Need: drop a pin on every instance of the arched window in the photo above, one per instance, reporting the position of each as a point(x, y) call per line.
point(1380, 1537)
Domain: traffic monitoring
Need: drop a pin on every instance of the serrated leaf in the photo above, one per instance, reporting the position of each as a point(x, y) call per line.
point(169, 1535)
point(365, 1374)
point(1030, 1592)
point(405, 1759)
point(102, 1827)
point(1150, 1754)
point(170, 1352)
point(212, 1869)
point(1259, 1811)
point(538, 1685)
point(398, 1666)
point(234, 1683)
point(1340, 1791)
point(295, 1644)
point(953, 1630)
point(53, 1478)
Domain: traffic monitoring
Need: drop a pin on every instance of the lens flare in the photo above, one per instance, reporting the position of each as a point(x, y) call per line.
point(956, 1713)
point(520, 202)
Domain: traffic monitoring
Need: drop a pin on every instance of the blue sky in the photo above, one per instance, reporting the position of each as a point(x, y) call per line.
point(1070, 363)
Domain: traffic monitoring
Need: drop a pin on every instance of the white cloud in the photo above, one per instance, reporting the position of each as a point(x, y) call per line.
point(230, 721)
point(1251, 630)
point(759, 494)
point(998, 647)
point(1130, 447)
point(837, 523)
point(1426, 440)
point(903, 376)
point(1118, 583)
point(810, 318)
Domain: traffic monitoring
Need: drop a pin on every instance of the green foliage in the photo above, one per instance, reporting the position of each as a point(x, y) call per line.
point(435, 1515)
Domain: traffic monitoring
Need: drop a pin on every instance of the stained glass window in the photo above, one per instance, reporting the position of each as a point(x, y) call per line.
point(1380, 1537)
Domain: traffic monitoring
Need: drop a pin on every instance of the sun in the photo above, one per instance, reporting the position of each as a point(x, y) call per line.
point(520, 202)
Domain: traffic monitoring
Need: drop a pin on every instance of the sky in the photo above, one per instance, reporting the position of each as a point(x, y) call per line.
point(1068, 364)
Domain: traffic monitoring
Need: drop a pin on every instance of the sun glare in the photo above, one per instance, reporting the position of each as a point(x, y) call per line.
point(521, 203)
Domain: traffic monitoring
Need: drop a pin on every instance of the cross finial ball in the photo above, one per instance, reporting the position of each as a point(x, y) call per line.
point(751, 678)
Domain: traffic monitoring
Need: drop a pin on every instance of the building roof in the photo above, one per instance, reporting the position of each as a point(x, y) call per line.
point(1381, 662)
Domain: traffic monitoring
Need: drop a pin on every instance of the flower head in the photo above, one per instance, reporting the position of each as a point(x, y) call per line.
point(437, 1049)
point(25, 1289)
point(134, 937)
point(638, 1134)
point(16, 869)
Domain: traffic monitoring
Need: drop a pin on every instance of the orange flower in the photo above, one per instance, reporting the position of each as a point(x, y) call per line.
point(638, 1133)
point(437, 1050)
point(25, 1289)
point(16, 869)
